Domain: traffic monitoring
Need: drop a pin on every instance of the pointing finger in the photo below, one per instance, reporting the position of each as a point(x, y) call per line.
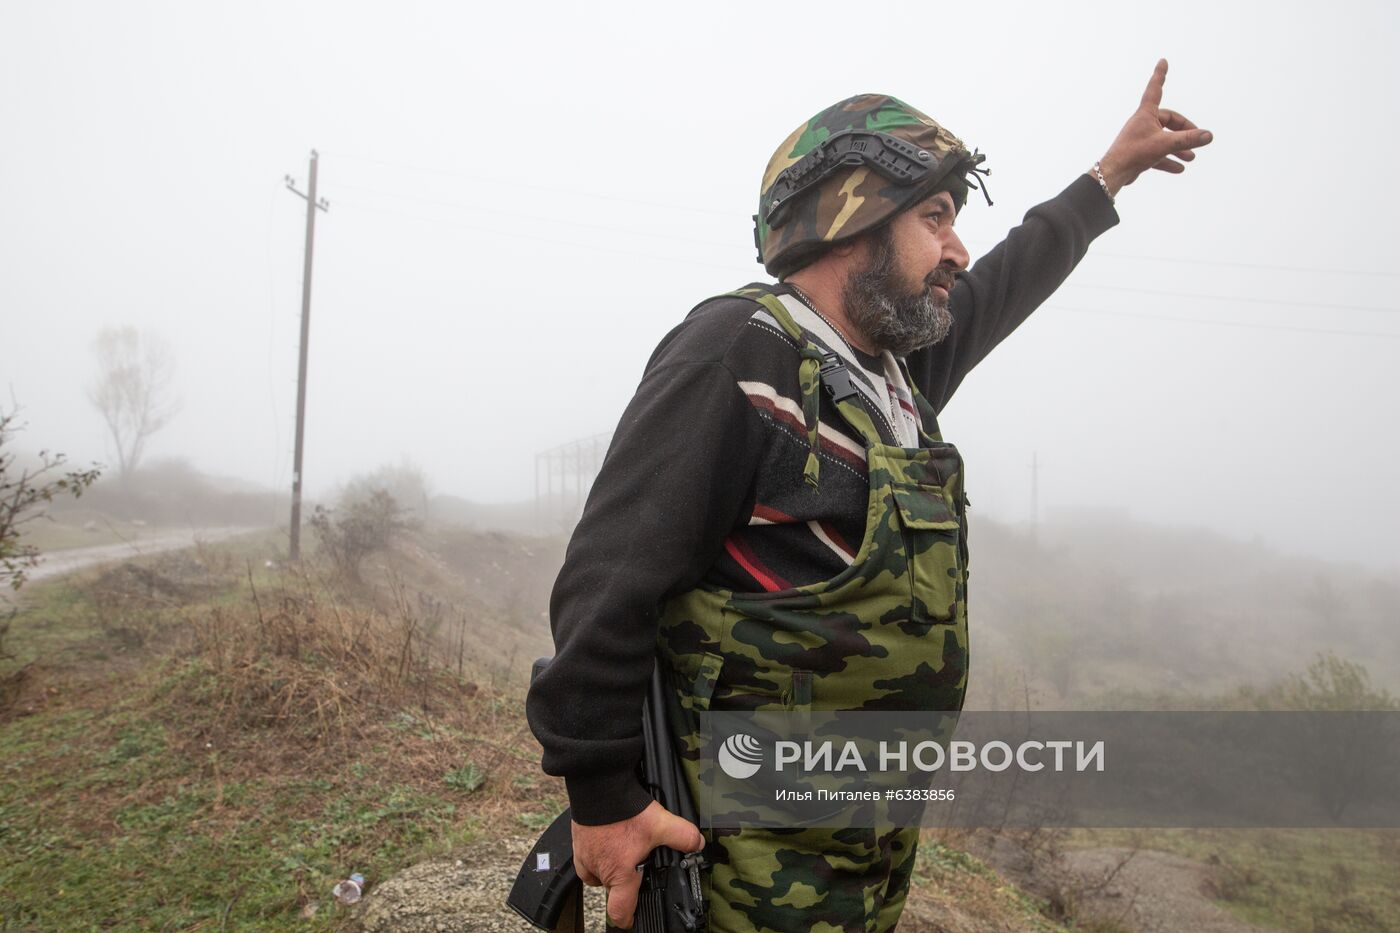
point(1152, 97)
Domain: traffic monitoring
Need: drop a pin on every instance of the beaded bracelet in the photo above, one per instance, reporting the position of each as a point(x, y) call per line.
point(1098, 173)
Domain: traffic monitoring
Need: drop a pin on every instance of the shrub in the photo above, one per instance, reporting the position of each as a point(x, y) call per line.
point(360, 526)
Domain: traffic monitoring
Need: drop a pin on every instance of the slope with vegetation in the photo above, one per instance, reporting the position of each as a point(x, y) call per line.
point(210, 740)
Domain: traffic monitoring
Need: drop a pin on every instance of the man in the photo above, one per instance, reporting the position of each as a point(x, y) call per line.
point(778, 522)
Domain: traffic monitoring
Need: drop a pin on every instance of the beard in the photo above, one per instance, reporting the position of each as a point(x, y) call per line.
point(889, 316)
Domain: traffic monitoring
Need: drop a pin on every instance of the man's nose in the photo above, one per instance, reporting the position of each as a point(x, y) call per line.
point(954, 252)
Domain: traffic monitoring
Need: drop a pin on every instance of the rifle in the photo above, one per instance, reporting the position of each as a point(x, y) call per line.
point(548, 892)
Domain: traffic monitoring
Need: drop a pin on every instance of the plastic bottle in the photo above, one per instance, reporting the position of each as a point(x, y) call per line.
point(348, 891)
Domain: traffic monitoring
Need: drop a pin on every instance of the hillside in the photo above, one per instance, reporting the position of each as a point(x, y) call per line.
point(197, 739)
point(209, 739)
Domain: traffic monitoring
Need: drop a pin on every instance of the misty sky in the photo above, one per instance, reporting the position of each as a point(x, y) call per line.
point(525, 198)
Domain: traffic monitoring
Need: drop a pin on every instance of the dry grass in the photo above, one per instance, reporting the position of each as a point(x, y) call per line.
point(326, 680)
point(284, 729)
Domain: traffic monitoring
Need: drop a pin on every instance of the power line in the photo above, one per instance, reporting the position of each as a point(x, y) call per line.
point(1230, 263)
point(1213, 323)
point(547, 220)
point(572, 244)
point(552, 189)
point(700, 263)
point(555, 189)
point(680, 239)
point(692, 262)
point(1268, 267)
point(1253, 301)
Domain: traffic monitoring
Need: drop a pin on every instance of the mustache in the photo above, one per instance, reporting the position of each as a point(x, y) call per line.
point(942, 277)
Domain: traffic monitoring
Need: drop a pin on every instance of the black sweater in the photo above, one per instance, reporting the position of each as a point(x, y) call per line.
point(703, 482)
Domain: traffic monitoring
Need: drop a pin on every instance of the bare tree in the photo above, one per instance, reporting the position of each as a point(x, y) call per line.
point(134, 374)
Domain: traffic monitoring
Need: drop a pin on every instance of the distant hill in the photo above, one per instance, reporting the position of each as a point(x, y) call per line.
point(1108, 604)
point(1093, 604)
point(172, 492)
point(508, 516)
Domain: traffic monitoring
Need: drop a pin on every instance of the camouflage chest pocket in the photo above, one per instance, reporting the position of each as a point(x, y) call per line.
point(931, 531)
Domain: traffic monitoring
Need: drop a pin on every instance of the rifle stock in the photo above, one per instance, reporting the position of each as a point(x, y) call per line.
point(547, 891)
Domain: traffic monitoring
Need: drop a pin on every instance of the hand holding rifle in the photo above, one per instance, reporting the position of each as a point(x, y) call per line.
point(649, 863)
point(613, 855)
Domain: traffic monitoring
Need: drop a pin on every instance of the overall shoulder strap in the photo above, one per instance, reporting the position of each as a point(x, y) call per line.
point(818, 366)
point(926, 413)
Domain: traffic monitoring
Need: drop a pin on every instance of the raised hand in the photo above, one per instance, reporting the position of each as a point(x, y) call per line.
point(1150, 139)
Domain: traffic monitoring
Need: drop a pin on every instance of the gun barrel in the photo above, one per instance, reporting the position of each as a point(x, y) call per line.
point(668, 767)
point(674, 875)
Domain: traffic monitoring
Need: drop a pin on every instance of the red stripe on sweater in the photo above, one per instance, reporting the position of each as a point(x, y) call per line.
point(767, 404)
point(771, 515)
point(830, 531)
point(836, 450)
point(741, 553)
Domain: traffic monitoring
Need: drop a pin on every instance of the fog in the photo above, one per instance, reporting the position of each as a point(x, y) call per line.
point(524, 199)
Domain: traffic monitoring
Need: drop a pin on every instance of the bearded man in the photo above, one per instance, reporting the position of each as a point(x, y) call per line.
point(779, 524)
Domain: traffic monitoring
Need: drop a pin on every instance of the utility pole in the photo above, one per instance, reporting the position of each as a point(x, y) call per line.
point(312, 206)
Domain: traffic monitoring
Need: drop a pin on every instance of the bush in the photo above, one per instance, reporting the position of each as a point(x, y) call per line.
point(1339, 756)
point(360, 526)
point(1331, 683)
point(23, 495)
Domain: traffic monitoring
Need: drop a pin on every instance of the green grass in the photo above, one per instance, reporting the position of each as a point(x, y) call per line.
point(54, 619)
point(116, 814)
point(62, 622)
point(1305, 880)
point(127, 801)
point(467, 778)
point(102, 824)
point(962, 879)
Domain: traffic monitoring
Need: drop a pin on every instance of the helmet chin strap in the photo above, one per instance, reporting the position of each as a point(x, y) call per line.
point(973, 169)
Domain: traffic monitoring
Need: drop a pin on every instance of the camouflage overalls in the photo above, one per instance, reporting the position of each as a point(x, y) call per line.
point(887, 633)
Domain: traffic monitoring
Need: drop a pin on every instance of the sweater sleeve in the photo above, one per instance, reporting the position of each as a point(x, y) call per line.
point(991, 299)
point(676, 479)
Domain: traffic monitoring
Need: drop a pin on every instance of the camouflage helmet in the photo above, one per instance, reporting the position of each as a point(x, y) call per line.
point(847, 170)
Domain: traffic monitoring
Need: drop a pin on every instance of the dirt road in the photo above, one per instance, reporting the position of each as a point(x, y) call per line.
point(57, 563)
